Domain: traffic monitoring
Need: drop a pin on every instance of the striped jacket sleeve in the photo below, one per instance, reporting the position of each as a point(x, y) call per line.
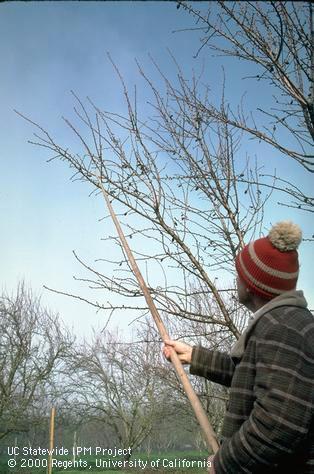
point(214, 365)
point(283, 408)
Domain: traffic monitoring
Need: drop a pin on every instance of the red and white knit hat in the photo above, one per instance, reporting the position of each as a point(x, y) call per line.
point(269, 266)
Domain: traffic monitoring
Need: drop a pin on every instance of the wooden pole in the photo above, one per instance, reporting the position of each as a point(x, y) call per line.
point(200, 414)
point(51, 438)
point(74, 447)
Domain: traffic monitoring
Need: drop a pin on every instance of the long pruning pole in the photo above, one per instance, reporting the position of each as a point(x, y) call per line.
point(200, 414)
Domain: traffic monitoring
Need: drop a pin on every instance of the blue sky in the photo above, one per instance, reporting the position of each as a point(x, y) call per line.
point(47, 49)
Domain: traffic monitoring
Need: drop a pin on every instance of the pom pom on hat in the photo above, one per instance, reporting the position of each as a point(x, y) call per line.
point(285, 236)
point(269, 266)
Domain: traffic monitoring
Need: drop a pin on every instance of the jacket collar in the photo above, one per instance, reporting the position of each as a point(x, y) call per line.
point(289, 298)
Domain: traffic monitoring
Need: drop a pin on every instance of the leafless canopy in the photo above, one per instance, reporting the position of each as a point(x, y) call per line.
point(179, 186)
point(114, 383)
point(32, 344)
point(278, 38)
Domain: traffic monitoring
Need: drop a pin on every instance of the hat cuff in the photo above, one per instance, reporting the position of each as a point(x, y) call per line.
point(258, 291)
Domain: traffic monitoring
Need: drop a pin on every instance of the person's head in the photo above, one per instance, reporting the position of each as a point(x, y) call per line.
point(269, 266)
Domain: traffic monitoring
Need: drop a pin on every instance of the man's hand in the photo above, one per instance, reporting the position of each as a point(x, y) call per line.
point(183, 350)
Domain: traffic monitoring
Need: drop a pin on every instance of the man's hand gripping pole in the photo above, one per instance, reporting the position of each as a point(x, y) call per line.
point(200, 414)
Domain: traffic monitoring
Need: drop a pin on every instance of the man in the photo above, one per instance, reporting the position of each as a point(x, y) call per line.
point(268, 426)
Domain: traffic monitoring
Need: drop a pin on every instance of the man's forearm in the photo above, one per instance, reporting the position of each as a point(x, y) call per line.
point(213, 365)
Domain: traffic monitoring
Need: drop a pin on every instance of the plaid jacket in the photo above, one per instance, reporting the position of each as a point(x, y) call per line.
point(269, 425)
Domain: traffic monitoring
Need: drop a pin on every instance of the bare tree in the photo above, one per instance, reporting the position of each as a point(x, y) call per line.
point(180, 175)
point(277, 39)
point(32, 345)
point(113, 383)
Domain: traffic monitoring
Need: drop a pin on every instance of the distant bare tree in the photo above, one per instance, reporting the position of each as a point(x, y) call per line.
point(32, 345)
point(114, 384)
